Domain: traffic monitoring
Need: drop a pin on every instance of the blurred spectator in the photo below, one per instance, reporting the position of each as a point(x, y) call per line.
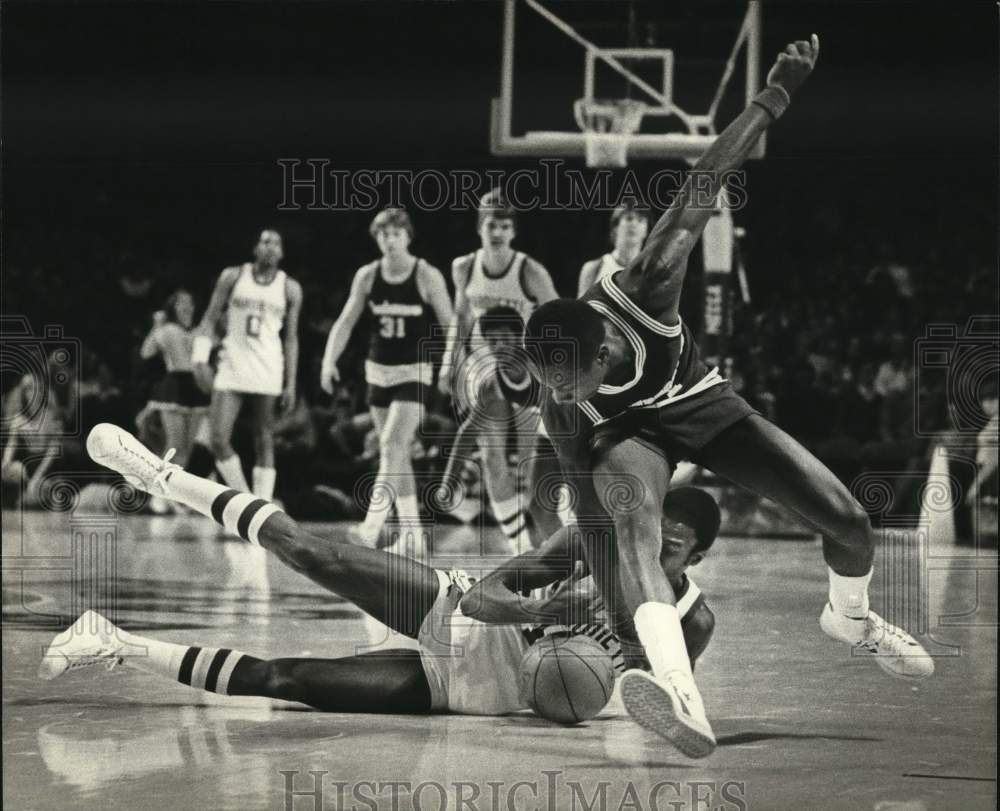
point(894, 384)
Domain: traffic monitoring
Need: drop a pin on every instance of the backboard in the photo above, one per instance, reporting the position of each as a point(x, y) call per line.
point(690, 68)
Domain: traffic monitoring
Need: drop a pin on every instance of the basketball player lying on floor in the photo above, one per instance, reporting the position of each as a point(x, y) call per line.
point(472, 635)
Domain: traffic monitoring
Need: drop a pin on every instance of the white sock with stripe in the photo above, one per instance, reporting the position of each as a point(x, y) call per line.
point(242, 514)
point(513, 522)
point(659, 629)
point(203, 668)
point(263, 482)
point(849, 595)
point(231, 470)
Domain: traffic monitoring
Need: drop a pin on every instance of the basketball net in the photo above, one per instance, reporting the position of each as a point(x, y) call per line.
point(608, 125)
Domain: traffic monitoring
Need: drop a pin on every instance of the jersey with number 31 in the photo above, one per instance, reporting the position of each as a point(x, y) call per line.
point(253, 357)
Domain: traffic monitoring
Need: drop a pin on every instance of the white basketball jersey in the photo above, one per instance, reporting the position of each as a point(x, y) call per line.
point(506, 289)
point(253, 357)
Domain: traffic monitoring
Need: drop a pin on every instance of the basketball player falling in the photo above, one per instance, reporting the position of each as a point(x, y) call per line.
point(629, 226)
point(403, 295)
point(634, 378)
point(495, 275)
point(471, 636)
point(257, 365)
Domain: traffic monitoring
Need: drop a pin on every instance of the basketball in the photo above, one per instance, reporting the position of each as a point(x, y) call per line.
point(566, 679)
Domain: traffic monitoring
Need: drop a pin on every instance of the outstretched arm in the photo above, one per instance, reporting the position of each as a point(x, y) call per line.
point(340, 333)
point(458, 328)
point(204, 334)
point(291, 344)
point(656, 275)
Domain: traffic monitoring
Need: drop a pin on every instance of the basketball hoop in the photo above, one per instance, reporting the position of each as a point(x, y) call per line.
point(608, 125)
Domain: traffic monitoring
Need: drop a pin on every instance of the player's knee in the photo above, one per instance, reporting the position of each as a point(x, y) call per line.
point(853, 527)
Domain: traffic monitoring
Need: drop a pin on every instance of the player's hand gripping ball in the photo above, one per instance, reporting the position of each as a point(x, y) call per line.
point(566, 679)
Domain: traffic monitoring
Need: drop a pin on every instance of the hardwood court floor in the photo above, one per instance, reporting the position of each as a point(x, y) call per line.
point(800, 723)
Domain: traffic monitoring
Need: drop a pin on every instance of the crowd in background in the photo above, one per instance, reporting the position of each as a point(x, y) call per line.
point(825, 347)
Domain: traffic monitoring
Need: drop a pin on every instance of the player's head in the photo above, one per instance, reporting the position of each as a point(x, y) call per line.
point(689, 526)
point(269, 251)
point(629, 224)
point(501, 327)
point(392, 230)
point(496, 220)
point(179, 308)
point(566, 341)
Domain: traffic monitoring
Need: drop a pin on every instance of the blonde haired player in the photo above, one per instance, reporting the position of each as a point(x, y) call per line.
point(629, 226)
point(259, 357)
point(403, 295)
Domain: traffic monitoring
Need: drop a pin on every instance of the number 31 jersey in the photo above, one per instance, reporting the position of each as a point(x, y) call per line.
point(400, 321)
point(253, 357)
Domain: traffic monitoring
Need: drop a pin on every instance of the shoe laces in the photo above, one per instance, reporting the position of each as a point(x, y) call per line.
point(104, 655)
point(882, 634)
point(165, 468)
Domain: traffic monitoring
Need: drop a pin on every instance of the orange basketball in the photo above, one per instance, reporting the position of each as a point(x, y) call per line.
point(566, 679)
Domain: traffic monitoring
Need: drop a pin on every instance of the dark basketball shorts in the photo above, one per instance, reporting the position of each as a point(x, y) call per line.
point(679, 430)
point(178, 392)
point(385, 396)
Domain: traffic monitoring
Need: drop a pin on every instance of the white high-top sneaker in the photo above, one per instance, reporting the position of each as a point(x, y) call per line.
point(91, 640)
point(895, 651)
point(671, 707)
point(117, 449)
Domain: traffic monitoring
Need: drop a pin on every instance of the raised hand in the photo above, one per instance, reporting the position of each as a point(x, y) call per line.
point(794, 64)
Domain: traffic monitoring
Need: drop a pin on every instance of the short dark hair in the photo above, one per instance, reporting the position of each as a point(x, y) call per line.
point(391, 218)
point(494, 204)
point(562, 328)
point(699, 510)
point(499, 318)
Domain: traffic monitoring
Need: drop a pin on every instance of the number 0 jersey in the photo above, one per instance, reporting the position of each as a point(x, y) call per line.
point(253, 358)
point(400, 320)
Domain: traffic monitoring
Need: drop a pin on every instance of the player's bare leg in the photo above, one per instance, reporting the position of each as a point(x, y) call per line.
point(366, 577)
point(501, 487)
point(225, 409)
point(631, 481)
point(389, 681)
point(759, 456)
point(263, 440)
point(178, 435)
point(395, 484)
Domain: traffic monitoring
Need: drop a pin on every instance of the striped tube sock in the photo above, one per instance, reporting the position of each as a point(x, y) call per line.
point(242, 514)
point(203, 668)
point(513, 522)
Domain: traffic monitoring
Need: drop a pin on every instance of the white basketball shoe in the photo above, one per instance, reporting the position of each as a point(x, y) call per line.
point(117, 449)
point(671, 707)
point(91, 640)
point(895, 651)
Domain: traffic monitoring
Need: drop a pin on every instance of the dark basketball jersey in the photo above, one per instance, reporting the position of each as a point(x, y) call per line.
point(400, 319)
point(667, 365)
